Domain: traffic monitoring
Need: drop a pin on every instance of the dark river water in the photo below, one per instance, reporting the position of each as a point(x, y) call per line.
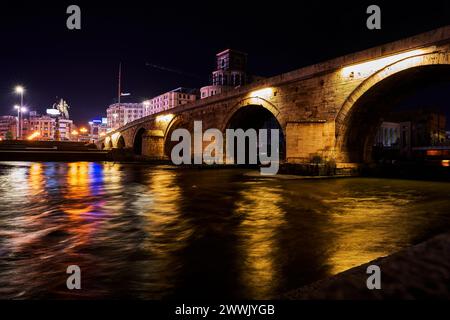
point(154, 232)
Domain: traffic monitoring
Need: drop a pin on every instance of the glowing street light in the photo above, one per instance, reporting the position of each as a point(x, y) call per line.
point(20, 90)
point(34, 135)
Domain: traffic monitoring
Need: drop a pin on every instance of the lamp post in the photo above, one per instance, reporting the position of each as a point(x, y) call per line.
point(20, 111)
point(20, 90)
point(18, 117)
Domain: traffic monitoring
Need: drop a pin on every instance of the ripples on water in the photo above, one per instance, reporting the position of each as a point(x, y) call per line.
point(156, 232)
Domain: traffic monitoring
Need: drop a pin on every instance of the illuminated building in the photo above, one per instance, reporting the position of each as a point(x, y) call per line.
point(8, 127)
point(169, 100)
point(230, 72)
point(84, 135)
point(119, 114)
point(388, 135)
point(46, 126)
point(97, 129)
point(408, 130)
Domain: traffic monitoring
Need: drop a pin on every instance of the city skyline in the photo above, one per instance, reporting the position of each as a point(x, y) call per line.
point(53, 62)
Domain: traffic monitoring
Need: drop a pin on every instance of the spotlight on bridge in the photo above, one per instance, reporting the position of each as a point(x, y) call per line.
point(262, 93)
point(115, 136)
point(366, 68)
point(165, 117)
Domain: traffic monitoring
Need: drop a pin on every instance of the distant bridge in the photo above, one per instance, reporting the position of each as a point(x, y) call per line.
point(329, 110)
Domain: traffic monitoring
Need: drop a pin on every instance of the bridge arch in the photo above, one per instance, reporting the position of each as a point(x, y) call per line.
point(120, 143)
point(253, 101)
point(178, 121)
point(257, 113)
point(108, 143)
point(117, 141)
point(362, 112)
point(138, 141)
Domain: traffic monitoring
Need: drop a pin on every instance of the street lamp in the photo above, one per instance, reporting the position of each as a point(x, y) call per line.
point(20, 90)
point(20, 110)
point(18, 118)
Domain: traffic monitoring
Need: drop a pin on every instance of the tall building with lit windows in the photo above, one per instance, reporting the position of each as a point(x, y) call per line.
point(169, 100)
point(119, 114)
point(231, 66)
point(8, 127)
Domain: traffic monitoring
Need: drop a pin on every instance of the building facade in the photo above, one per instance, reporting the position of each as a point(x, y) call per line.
point(231, 66)
point(169, 100)
point(388, 135)
point(48, 128)
point(119, 114)
point(8, 127)
point(97, 129)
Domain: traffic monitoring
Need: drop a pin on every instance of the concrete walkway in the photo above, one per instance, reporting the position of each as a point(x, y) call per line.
point(418, 272)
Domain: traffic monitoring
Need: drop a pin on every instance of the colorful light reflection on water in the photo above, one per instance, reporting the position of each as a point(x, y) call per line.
point(157, 232)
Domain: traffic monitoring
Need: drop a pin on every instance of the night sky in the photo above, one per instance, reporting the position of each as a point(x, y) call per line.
point(51, 61)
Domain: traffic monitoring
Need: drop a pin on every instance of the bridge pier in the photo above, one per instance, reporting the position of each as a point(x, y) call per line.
point(307, 141)
point(153, 145)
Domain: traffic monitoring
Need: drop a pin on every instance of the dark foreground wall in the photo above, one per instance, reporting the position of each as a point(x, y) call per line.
point(50, 151)
point(418, 272)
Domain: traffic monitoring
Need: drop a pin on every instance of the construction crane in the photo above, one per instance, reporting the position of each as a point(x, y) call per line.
point(162, 68)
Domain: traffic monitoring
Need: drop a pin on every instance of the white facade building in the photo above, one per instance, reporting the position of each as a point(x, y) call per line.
point(119, 114)
point(388, 135)
point(169, 100)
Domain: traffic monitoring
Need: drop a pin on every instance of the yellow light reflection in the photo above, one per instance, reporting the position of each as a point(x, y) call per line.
point(77, 205)
point(77, 189)
point(362, 227)
point(36, 178)
point(161, 208)
point(112, 174)
point(262, 219)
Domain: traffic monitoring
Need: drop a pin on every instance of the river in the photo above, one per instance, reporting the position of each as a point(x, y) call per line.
point(155, 232)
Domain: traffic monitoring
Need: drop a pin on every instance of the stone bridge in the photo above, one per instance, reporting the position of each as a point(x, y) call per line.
point(329, 110)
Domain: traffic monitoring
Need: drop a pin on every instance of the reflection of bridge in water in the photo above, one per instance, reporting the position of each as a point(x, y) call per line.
point(328, 111)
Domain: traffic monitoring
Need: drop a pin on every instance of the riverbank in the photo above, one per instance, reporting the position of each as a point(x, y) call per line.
point(22, 150)
point(418, 272)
